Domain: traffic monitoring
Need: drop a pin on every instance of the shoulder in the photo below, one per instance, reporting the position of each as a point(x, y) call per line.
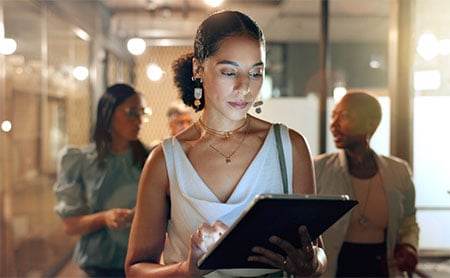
point(73, 160)
point(394, 163)
point(326, 161)
point(325, 157)
point(75, 153)
point(70, 155)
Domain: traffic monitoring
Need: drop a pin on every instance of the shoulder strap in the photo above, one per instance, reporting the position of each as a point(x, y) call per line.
point(281, 157)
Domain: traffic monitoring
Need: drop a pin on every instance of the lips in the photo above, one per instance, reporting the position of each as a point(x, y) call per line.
point(337, 136)
point(238, 105)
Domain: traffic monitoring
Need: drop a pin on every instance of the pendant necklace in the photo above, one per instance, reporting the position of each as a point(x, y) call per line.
point(363, 219)
point(228, 157)
point(225, 134)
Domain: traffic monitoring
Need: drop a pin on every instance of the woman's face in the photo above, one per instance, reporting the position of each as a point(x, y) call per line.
point(233, 76)
point(128, 118)
point(347, 126)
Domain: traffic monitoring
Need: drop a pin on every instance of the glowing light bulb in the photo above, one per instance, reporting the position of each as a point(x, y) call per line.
point(136, 46)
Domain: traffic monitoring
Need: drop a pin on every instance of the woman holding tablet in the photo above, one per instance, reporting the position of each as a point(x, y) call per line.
point(199, 181)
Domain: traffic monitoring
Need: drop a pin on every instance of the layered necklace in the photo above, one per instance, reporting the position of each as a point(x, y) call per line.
point(227, 135)
point(221, 133)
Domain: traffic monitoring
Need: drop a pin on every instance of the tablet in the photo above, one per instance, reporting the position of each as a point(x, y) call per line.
point(270, 214)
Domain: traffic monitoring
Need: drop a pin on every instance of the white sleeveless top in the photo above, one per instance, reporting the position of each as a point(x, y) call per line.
point(192, 202)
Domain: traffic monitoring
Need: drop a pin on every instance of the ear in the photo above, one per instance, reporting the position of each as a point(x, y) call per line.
point(197, 68)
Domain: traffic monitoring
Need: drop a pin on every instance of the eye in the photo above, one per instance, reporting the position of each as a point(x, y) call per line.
point(228, 73)
point(256, 74)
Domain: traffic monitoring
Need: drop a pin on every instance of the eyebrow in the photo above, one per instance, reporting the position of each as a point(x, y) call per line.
point(227, 62)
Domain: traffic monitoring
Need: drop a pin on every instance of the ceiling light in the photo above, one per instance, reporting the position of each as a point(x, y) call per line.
point(80, 73)
point(427, 46)
point(136, 46)
point(81, 34)
point(154, 72)
point(7, 46)
point(213, 3)
point(6, 126)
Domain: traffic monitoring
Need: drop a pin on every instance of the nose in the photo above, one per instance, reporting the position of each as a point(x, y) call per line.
point(243, 86)
point(333, 122)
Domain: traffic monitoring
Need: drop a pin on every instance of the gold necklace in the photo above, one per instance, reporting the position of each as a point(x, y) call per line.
point(228, 157)
point(225, 134)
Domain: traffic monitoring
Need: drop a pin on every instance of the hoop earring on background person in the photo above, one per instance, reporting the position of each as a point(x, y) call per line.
point(198, 93)
point(256, 105)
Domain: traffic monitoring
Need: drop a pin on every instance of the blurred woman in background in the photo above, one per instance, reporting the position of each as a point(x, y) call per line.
point(97, 184)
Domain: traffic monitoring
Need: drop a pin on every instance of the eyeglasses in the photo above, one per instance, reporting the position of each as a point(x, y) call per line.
point(134, 113)
point(183, 122)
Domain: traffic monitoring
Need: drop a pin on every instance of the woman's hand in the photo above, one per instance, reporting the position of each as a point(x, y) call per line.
point(307, 261)
point(209, 234)
point(406, 258)
point(200, 242)
point(118, 218)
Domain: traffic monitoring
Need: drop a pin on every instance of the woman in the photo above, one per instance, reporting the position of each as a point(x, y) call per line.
point(97, 184)
point(380, 236)
point(198, 182)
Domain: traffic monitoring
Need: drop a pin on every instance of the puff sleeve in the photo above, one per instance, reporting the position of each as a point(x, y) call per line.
point(69, 188)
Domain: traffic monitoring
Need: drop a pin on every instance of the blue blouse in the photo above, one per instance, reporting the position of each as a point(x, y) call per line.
point(84, 188)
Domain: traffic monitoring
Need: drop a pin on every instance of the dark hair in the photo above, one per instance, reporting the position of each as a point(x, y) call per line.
point(366, 105)
point(109, 101)
point(210, 34)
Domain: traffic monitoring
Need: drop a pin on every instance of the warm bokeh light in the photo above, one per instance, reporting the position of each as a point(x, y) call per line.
point(213, 3)
point(80, 73)
point(136, 46)
point(7, 46)
point(6, 126)
point(154, 72)
point(339, 92)
point(427, 46)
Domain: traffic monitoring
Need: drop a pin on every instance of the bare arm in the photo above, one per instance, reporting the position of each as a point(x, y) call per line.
point(116, 218)
point(303, 175)
point(149, 226)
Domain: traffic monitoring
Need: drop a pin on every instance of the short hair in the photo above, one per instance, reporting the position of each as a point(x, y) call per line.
point(366, 105)
point(176, 109)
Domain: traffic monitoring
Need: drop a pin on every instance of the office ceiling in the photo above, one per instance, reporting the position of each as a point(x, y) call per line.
point(281, 20)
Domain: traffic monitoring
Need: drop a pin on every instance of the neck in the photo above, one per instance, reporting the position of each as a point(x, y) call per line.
point(119, 145)
point(223, 133)
point(361, 164)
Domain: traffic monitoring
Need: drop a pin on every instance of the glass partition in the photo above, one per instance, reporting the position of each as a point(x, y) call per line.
point(47, 108)
point(431, 120)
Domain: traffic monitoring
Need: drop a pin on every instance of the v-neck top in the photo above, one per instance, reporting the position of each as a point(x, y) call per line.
point(192, 201)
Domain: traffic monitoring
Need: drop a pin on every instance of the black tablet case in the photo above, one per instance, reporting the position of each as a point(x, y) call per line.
point(270, 214)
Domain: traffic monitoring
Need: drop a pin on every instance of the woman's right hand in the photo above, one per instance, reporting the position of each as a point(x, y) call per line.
point(118, 218)
point(200, 242)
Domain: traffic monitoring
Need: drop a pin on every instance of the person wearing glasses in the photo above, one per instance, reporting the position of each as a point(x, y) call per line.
point(97, 184)
point(179, 116)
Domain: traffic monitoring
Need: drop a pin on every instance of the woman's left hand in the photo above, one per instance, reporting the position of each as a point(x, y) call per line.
point(305, 261)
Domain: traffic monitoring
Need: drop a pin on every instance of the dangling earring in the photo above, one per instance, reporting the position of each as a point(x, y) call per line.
point(256, 105)
point(198, 92)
